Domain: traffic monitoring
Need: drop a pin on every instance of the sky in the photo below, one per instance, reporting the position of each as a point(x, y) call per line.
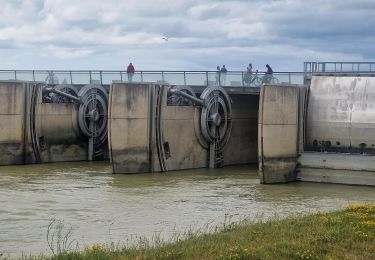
point(183, 34)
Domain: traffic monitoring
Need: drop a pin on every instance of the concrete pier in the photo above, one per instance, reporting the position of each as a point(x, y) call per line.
point(15, 144)
point(280, 131)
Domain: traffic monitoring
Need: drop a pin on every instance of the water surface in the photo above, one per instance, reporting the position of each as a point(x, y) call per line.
point(102, 207)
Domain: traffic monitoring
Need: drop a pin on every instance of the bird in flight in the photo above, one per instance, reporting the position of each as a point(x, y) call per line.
point(165, 38)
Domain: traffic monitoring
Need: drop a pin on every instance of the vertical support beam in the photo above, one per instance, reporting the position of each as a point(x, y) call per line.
point(150, 125)
point(212, 162)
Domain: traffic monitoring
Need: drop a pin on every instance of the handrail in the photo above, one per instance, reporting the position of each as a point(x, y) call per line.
point(339, 67)
point(173, 77)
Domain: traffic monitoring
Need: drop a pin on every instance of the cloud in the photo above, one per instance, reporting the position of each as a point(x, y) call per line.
point(89, 34)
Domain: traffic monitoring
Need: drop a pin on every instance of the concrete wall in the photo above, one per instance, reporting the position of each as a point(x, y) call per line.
point(340, 114)
point(178, 131)
point(278, 133)
point(340, 131)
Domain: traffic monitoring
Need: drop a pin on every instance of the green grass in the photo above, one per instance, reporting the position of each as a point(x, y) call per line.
point(346, 234)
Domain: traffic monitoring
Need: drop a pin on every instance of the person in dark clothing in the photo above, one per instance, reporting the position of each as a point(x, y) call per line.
point(268, 76)
point(130, 71)
point(269, 69)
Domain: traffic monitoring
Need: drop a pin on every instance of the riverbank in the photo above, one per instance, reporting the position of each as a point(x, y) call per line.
point(349, 233)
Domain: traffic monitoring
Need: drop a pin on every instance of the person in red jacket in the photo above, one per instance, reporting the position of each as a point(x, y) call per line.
point(130, 71)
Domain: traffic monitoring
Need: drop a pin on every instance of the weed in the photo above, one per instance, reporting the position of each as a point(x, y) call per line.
point(59, 237)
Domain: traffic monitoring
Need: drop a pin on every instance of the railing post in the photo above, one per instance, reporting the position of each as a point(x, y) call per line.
point(242, 76)
point(90, 77)
point(101, 77)
point(290, 80)
point(121, 76)
point(52, 76)
point(15, 75)
point(162, 77)
point(71, 77)
point(33, 75)
point(141, 76)
point(185, 78)
point(207, 78)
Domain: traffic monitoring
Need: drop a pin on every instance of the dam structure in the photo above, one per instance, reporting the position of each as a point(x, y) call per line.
point(316, 125)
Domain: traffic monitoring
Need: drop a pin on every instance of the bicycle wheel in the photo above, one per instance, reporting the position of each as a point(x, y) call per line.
point(257, 82)
point(274, 80)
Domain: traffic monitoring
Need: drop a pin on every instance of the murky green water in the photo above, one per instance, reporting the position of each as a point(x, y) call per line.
point(102, 207)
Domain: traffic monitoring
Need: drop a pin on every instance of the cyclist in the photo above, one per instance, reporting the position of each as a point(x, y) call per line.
point(268, 76)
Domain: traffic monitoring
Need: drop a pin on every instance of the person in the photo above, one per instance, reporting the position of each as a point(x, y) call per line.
point(268, 76)
point(269, 69)
point(130, 71)
point(223, 73)
point(248, 74)
point(217, 76)
point(249, 68)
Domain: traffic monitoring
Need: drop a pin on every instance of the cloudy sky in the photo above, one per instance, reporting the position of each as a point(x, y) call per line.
point(98, 34)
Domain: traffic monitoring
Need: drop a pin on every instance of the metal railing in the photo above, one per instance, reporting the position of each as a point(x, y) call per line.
point(339, 67)
point(106, 77)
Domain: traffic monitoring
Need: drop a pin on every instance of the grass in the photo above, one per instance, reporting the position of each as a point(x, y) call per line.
point(345, 234)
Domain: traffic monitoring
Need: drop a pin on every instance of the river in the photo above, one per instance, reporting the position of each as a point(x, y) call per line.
point(101, 207)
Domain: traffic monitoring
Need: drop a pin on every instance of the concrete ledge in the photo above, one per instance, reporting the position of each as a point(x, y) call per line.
point(337, 161)
point(337, 168)
point(337, 176)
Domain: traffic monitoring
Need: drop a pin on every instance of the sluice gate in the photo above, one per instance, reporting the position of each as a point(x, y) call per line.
point(39, 125)
point(157, 128)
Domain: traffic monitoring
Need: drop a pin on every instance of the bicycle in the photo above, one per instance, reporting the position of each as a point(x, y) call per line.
point(257, 81)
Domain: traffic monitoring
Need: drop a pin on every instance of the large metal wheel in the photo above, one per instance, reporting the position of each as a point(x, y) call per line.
point(178, 100)
point(216, 121)
point(93, 113)
point(69, 89)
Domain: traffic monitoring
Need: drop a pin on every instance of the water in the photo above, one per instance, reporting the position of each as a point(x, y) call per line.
point(102, 207)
